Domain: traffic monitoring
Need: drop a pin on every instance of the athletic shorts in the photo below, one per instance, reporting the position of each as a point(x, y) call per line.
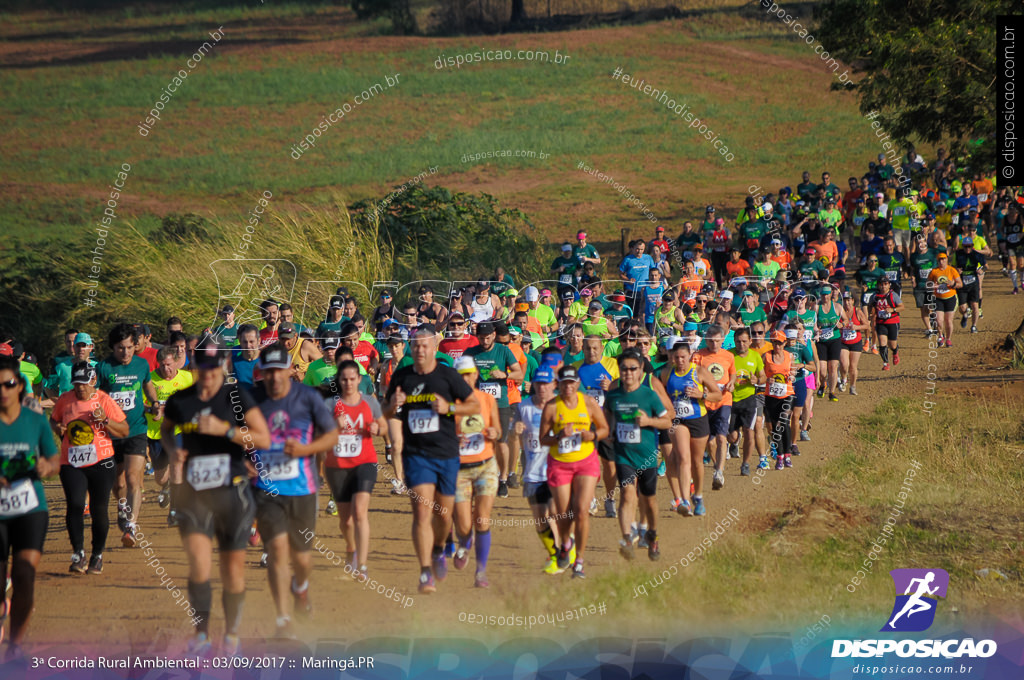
point(942, 304)
point(130, 446)
point(718, 420)
point(744, 414)
point(646, 479)
point(887, 330)
point(560, 474)
point(828, 350)
point(968, 294)
point(505, 417)
point(800, 390)
point(479, 480)
point(605, 449)
point(292, 515)
point(856, 346)
point(664, 437)
point(441, 472)
point(921, 298)
point(157, 455)
point(902, 237)
point(25, 532)
point(225, 513)
point(698, 427)
point(347, 482)
point(760, 404)
point(537, 493)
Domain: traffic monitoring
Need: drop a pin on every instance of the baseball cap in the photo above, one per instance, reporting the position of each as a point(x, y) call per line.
point(690, 326)
point(465, 364)
point(286, 330)
point(510, 292)
point(659, 229)
point(941, 256)
point(531, 294)
point(595, 306)
point(967, 241)
point(514, 331)
point(568, 295)
point(698, 246)
point(82, 373)
point(726, 295)
point(617, 296)
point(792, 334)
point(581, 234)
point(545, 292)
point(567, 373)
point(207, 355)
point(331, 342)
point(776, 242)
point(456, 315)
point(550, 359)
point(83, 339)
point(747, 293)
point(543, 376)
point(225, 310)
point(847, 295)
point(881, 156)
point(566, 246)
point(767, 207)
point(485, 328)
point(585, 292)
point(710, 208)
point(482, 285)
point(799, 293)
point(522, 307)
point(274, 356)
point(337, 302)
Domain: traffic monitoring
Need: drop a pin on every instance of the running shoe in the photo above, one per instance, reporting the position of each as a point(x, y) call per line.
point(793, 450)
point(780, 463)
point(832, 397)
point(763, 463)
point(974, 329)
point(303, 607)
point(513, 481)
point(572, 553)
point(449, 547)
point(774, 450)
point(674, 505)
point(149, 468)
point(641, 539)
point(684, 508)
point(963, 321)
point(744, 469)
point(885, 366)
point(263, 560)
point(396, 488)
point(895, 358)
point(231, 647)
point(734, 449)
point(717, 480)
point(95, 565)
point(853, 390)
point(122, 518)
point(163, 499)
point(362, 574)
point(949, 343)
point(577, 570)
point(563, 555)
point(480, 580)
point(698, 507)
point(128, 540)
point(805, 436)
point(461, 558)
point(5, 606)
point(594, 508)
point(609, 508)
point(502, 489)
point(821, 391)
point(172, 519)
point(200, 646)
point(439, 567)
point(1014, 291)
point(427, 584)
point(552, 566)
point(662, 469)
point(874, 350)
point(842, 385)
point(283, 629)
point(707, 458)
point(254, 537)
point(626, 549)
point(653, 553)
point(86, 513)
point(789, 460)
point(332, 508)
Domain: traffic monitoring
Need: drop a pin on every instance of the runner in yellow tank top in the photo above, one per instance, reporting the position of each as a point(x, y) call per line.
point(570, 424)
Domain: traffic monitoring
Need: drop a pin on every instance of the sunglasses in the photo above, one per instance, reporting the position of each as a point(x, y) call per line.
point(629, 368)
point(10, 384)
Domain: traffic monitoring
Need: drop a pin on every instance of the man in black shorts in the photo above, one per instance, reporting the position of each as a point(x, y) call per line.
point(210, 485)
point(300, 427)
point(426, 397)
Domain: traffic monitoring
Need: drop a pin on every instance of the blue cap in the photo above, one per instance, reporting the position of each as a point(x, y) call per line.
point(83, 339)
point(388, 322)
point(550, 359)
point(543, 375)
point(690, 326)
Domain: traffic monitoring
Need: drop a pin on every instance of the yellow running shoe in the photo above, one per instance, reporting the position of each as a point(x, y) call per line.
point(552, 566)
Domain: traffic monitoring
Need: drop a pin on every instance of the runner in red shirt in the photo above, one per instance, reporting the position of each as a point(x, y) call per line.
point(457, 340)
point(362, 351)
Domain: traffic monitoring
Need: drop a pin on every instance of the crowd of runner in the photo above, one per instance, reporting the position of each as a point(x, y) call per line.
point(692, 351)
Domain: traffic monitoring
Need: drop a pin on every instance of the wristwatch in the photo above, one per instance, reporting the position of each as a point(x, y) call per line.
point(451, 409)
point(230, 434)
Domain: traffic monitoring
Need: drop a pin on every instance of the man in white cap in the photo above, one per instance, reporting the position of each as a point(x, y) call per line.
point(544, 315)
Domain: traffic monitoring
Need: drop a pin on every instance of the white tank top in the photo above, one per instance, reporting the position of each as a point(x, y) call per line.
point(481, 312)
point(536, 467)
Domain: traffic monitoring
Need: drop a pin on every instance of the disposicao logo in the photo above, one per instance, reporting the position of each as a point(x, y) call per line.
point(917, 593)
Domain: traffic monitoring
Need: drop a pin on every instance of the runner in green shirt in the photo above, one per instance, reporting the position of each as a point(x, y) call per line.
point(749, 373)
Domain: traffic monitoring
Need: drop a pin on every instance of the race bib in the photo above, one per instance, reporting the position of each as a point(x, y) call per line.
point(777, 389)
point(969, 279)
point(348, 446)
point(126, 400)
point(924, 274)
point(472, 445)
point(685, 408)
point(858, 220)
point(808, 334)
point(627, 433)
point(943, 288)
point(565, 279)
point(883, 314)
point(423, 421)
point(1013, 238)
point(866, 298)
point(598, 396)
point(82, 456)
point(491, 388)
point(533, 443)
point(956, 219)
point(209, 472)
point(570, 444)
point(688, 254)
point(849, 335)
point(892, 276)
point(982, 198)
point(899, 211)
point(826, 334)
point(281, 467)
point(18, 499)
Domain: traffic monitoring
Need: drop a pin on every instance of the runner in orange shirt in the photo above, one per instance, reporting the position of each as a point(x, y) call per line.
point(721, 365)
point(943, 282)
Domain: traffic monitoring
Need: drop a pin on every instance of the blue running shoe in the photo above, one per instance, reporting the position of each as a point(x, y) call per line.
point(662, 469)
point(439, 567)
point(698, 507)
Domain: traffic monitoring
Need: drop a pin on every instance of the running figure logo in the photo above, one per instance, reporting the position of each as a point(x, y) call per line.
point(914, 610)
point(244, 284)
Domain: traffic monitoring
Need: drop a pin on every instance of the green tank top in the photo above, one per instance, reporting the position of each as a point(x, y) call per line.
point(595, 327)
point(830, 318)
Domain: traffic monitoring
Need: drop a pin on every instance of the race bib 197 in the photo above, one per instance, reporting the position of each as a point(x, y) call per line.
point(423, 421)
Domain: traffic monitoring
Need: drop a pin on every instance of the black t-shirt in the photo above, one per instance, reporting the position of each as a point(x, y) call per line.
point(231, 403)
point(427, 433)
point(880, 226)
point(969, 263)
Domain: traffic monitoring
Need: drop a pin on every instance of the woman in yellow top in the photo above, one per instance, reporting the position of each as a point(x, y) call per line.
point(942, 284)
point(571, 424)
